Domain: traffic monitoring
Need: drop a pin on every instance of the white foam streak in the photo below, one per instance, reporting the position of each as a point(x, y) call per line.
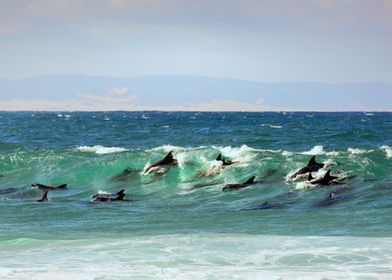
point(271, 125)
point(98, 149)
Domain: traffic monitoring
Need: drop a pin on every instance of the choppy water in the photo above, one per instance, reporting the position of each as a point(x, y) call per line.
point(166, 229)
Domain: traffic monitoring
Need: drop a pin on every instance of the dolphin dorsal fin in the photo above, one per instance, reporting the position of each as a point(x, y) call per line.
point(312, 161)
point(251, 180)
point(45, 196)
point(310, 177)
point(219, 158)
point(169, 155)
point(62, 186)
point(328, 174)
point(120, 192)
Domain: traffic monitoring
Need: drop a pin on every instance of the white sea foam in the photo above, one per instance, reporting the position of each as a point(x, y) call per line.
point(241, 154)
point(388, 150)
point(316, 150)
point(319, 150)
point(102, 192)
point(98, 149)
point(358, 151)
point(205, 256)
point(287, 153)
point(304, 185)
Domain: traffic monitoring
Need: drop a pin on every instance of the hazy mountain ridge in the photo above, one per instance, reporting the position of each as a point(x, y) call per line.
point(171, 92)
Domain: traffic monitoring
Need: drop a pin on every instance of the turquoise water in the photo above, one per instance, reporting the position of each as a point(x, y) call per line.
point(169, 230)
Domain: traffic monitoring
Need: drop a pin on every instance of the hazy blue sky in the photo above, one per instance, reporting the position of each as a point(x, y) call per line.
point(269, 41)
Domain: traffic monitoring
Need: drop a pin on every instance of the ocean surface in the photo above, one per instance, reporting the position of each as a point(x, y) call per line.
point(177, 223)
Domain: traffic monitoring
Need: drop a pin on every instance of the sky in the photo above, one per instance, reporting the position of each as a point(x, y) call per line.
point(44, 43)
point(331, 41)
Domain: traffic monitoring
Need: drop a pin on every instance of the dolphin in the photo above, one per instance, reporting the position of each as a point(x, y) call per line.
point(265, 205)
point(44, 197)
point(325, 180)
point(224, 162)
point(236, 186)
point(203, 185)
point(43, 187)
point(332, 198)
point(108, 196)
point(167, 160)
point(312, 166)
point(123, 175)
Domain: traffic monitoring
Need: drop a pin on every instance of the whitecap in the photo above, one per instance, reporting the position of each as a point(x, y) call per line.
point(287, 153)
point(271, 125)
point(388, 150)
point(319, 150)
point(357, 151)
point(98, 149)
point(316, 150)
point(167, 148)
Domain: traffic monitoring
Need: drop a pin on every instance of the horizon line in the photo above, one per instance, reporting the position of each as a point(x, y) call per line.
point(193, 111)
point(197, 76)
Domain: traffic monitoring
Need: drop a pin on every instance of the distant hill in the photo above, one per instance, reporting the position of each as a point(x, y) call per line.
point(171, 92)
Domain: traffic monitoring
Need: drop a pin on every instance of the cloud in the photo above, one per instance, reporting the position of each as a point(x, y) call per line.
point(117, 91)
point(90, 13)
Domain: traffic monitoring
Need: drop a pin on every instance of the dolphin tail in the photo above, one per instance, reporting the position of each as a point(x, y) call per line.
point(251, 180)
point(63, 186)
point(45, 196)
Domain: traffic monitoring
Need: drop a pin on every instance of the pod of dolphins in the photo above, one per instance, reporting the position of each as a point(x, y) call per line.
point(168, 160)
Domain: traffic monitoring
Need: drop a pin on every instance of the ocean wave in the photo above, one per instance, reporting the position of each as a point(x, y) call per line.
point(98, 149)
